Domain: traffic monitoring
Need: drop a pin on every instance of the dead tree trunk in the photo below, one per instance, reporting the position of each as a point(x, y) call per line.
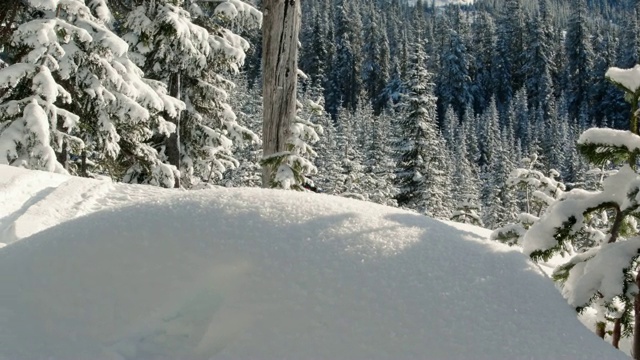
point(617, 333)
point(281, 25)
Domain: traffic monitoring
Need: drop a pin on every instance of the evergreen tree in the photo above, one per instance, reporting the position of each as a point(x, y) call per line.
point(107, 114)
point(422, 173)
point(535, 192)
point(607, 102)
point(466, 194)
point(346, 77)
point(454, 82)
point(319, 49)
point(538, 65)
point(484, 39)
point(579, 59)
point(247, 104)
point(498, 196)
point(508, 60)
point(352, 180)
point(376, 60)
point(379, 162)
point(189, 53)
point(603, 277)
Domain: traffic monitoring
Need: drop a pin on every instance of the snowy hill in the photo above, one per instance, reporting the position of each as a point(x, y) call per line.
point(148, 273)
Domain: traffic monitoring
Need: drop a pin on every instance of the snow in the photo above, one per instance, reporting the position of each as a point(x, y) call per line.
point(627, 78)
point(541, 235)
point(601, 273)
point(611, 137)
point(135, 272)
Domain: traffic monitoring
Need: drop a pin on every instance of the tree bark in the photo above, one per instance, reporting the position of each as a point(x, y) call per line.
point(172, 143)
point(281, 24)
point(83, 164)
point(617, 333)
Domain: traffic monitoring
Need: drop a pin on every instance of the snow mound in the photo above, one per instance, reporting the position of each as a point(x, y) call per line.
point(266, 274)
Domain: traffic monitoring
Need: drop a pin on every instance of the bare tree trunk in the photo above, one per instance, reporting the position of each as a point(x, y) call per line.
point(279, 74)
point(83, 164)
point(617, 332)
point(172, 143)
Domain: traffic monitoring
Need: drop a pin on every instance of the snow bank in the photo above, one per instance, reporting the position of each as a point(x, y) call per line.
point(265, 274)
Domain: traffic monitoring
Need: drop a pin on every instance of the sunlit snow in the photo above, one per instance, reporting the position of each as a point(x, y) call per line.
point(113, 271)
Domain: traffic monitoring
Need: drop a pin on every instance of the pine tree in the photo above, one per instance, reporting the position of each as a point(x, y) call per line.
point(538, 65)
point(379, 163)
point(375, 67)
point(535, 192)
point(607, 102)
point(346, 77)
point(498, 199)
point(247, 104)
point(604, 276)
point(579, 59)
point(351, 180)
point(466, 195)
point(454, 82)
point(107, 114)
point(422, 175)
point(189, 53)
point(508, 60)
point(484, 38)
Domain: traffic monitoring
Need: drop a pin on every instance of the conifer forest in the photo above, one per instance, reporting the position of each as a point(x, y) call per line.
point(519, 116)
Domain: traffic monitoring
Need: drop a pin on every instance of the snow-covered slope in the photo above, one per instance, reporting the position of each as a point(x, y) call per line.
point(261, 274)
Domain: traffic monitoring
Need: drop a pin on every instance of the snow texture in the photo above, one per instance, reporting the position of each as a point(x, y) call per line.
point(601, 273)
point(627, 78)
point(153, 273)
point(612, 137)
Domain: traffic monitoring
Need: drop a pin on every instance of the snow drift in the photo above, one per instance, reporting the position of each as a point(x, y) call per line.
point(262, 274)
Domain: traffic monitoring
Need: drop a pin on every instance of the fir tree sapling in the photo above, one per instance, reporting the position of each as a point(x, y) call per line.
point(536, 191)
point(605, 276)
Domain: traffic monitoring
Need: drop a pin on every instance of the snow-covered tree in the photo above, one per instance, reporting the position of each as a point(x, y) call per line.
point(189, 50)
point(579, 59)
point(72, 90)
point(247, 104)
point(379, 163)
point(466, 194)
point(454, 82)
point(536, 192)
point(605, 276)
point(351, 179)
point(375, 66)
point(423, 170)
point(346, 77)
